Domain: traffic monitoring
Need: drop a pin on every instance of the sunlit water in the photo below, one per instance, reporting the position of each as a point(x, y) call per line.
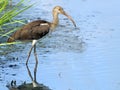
point(86, 58)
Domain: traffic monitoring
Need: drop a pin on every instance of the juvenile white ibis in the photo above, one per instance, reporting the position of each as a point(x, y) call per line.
point(38, 29)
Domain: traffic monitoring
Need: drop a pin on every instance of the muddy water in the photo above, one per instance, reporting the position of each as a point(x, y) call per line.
point(85, 58)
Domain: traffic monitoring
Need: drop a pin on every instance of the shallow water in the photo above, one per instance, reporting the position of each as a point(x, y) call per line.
point(86, 58)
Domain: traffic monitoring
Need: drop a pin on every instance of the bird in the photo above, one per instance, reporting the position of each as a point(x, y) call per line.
point(35, 30)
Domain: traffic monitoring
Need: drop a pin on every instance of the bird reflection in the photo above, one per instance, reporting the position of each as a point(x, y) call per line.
point(33, 79)
point(28, 86)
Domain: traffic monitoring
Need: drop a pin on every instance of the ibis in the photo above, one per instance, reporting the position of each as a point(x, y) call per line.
point(35, 30)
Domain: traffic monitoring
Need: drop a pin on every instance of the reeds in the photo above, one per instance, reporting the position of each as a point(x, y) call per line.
point(6, 17)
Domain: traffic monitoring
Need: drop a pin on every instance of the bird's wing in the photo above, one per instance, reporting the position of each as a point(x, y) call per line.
point(40, 31)
point(34, 30)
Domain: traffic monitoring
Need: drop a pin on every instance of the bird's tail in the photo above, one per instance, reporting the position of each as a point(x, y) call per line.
point(10, 39)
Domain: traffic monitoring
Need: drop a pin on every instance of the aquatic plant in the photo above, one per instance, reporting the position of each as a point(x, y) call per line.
point(3, 4)
point(6, 16)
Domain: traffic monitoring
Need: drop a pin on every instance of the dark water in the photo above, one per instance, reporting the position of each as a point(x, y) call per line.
point(86, 58)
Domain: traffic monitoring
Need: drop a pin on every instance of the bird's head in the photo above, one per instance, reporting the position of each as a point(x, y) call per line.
point(59, 10)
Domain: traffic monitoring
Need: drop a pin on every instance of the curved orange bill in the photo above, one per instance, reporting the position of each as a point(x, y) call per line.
point(69, 17)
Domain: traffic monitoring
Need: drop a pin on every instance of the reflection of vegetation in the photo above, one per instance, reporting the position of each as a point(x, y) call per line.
point(7, 15)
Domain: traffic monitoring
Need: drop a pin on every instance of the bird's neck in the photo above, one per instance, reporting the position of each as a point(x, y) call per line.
point(55, 21)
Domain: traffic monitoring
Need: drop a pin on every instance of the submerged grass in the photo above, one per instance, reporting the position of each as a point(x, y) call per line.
point(6, 17)
point(2, 44)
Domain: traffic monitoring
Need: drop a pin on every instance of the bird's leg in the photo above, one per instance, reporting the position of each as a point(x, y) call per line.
point(36, 64)
point(34, 81)
point(29, 55)
point(33, 46)
point(29, 73)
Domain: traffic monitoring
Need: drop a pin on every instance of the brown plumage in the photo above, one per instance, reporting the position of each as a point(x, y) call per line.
point(34, 30)
point(37, 29)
